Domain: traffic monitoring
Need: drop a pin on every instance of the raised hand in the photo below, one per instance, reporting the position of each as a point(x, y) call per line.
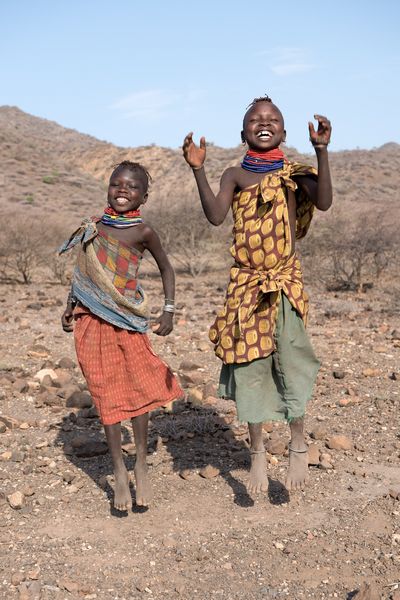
point(194, 155)
point(322, 136)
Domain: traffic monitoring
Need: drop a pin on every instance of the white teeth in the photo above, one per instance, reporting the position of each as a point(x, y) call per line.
point(264, 134)
point(121, 199)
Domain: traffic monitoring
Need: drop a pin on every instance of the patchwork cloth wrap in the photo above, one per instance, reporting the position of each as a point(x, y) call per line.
point(104, 269)
point(264, 265)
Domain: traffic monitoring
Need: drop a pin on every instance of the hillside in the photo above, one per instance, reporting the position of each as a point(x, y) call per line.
point(45, 167)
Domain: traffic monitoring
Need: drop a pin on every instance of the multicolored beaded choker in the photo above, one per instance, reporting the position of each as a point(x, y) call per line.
point(263, 162)
point(127, 219)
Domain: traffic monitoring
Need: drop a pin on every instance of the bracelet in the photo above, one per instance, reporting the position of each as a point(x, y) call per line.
point(71, 300)
point(169, 301)
point(170, 308)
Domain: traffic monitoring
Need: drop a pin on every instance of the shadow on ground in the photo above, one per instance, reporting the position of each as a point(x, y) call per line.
point(185, 440)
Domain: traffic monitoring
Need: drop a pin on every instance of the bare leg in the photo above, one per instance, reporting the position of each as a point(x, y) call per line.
point(258, 481)
point(122, 494)
point(140, 429)
point(298, 459)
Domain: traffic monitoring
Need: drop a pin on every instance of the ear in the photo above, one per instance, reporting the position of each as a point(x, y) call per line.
point(284, 136)
point(145, 196)
point(242, 137)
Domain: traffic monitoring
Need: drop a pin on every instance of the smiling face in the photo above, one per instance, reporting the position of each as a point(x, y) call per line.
point(263, 127)
point(127, 190)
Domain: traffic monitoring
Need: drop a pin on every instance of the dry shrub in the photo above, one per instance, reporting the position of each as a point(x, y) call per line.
point(350, 253)
point(194, 244)
point(29, 248)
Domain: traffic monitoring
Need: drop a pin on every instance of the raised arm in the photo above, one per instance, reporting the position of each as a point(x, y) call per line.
point(215, 207)
point(320, 192)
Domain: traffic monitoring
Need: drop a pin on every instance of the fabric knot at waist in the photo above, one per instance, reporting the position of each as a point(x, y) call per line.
point(257, 284)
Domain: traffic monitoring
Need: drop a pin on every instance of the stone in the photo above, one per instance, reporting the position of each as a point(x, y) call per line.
point(339, 442)
point(346, 401)
point(68, 584)
point(16, 500)
point(91, 449)
point(45, 374)
point(325, 465)
point(186, 474)
point(3, 427)
point(313, 454)
point(209, 472)
point(339, 374)
point(17, 578)
point(187, 365)
point(21, 386)
point(319, 433)
point(10, 422)
point(191, 378)
point(395, 493)
point(371, 372)
point(204, 346)
point(17, 456)
point(79, 400)
point(64, 378)
point(66, 363)
point(68, 476)
point(276, 447)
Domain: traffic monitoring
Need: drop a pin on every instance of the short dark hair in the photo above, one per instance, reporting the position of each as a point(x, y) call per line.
point(252, 104)
point(135, 168)
point(264, 98)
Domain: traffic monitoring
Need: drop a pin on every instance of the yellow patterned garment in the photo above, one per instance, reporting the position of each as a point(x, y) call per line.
point(264, 266)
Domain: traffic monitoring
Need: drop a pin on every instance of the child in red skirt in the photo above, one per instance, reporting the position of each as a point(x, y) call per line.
point(124, 376)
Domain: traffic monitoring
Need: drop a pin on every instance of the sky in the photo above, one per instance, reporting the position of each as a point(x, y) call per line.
point(140, 73)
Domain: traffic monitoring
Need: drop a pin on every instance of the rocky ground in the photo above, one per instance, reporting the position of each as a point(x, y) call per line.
point(203, 536)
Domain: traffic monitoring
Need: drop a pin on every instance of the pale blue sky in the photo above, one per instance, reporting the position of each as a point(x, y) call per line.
point(136, 73)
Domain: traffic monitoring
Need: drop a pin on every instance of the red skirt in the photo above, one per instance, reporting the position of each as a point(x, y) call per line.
point(123, 374)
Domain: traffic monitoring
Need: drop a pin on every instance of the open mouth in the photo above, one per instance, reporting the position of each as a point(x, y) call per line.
point(264, 135)
point(121, 200)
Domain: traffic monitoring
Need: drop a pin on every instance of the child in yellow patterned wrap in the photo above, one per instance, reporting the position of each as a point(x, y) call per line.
point(269, 366)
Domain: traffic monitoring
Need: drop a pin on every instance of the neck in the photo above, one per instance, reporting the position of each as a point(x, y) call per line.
point(263, 162)
point(121, 220)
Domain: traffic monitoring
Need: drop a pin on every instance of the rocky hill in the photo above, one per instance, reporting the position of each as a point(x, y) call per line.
point(46, 169)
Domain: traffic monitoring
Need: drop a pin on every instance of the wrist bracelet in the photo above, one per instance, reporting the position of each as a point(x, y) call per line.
point(71, 300)
point(170, 308)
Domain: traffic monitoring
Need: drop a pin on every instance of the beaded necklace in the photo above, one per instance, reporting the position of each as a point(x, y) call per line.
point(127, 219)
point(263, 162)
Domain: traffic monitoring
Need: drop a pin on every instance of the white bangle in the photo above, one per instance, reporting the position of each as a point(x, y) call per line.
point(169, 308)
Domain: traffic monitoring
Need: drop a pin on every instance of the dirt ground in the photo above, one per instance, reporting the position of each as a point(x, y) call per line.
point(202, 537)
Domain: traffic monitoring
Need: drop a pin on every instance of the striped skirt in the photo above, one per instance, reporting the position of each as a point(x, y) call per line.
point(123, 374)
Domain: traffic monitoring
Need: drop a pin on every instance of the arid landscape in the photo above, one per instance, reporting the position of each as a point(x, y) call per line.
point(203, 537)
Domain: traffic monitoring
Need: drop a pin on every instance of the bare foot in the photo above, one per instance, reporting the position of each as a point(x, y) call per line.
point(122, 493)
point(298, 469)
point(258, 481)
point(143, 491)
